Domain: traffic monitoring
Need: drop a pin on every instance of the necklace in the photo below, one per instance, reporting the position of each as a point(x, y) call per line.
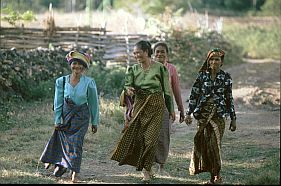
point(147, 68)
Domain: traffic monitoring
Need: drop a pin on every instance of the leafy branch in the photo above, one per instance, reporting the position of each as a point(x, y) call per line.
point(13, 17)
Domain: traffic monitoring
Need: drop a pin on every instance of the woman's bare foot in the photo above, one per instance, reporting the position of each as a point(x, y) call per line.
point(218, 180)
point(74, 178)
point(146, 176)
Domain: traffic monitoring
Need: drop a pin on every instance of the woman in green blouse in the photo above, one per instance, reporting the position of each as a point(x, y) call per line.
point(148, 81)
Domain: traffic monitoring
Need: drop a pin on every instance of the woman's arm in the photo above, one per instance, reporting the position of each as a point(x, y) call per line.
point(194, 94)
point(58, 100)
point(166, 87)
point(93, 103)
point(229, 98)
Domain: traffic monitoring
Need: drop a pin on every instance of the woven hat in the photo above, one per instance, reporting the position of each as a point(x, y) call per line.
point(78, 56)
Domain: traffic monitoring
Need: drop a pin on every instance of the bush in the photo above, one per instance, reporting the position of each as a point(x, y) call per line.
point(31, 74)
point(271, 8)
point(5, 117)
point(28, 74)
point(109, 81)
point(189, 51)
point(256, 41)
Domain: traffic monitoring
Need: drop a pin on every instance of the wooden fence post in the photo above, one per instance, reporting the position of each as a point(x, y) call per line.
point(77, 37)
point(127, 50)
point(127, 45)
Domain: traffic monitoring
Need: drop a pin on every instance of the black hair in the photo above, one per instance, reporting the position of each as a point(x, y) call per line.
point(161, 43)
point(218, 50)
point(79, 61)
point(144, 46)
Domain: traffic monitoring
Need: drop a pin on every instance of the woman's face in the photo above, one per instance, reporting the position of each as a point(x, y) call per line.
point(160, 54)
point(77, 67)
point(215, 62)
point(140, 55)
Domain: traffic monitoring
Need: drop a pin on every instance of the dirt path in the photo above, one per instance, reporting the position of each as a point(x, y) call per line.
point(256, 91)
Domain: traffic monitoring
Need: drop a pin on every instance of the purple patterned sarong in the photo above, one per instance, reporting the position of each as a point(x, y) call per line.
point(65, 145)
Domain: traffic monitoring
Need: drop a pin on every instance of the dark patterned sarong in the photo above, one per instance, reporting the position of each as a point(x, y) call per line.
point(206, 154)
point(137, 145)
point(163, 147)
point(65, 145)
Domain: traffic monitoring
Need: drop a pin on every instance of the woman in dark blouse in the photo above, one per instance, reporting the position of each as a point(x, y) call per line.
point(210, 102)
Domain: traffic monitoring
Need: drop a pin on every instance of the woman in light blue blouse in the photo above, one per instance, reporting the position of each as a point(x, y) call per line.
point(210, 102)
point(75, 106)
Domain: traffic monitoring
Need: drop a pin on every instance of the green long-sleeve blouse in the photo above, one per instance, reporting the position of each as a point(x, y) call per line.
point(155, 79)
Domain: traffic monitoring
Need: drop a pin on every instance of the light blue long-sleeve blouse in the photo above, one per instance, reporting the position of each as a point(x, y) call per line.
point(84, 92)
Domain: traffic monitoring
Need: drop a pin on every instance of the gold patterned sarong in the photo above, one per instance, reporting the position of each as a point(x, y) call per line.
point(138, 143)
point(206, 154)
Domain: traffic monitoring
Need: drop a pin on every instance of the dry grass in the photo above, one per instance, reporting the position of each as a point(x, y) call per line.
point(121, 21)
point(248, 154)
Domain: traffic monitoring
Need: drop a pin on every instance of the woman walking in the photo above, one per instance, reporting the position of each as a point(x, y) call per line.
point(75, 106)
point(148, 81)
point(210, 102)
point(161, 55)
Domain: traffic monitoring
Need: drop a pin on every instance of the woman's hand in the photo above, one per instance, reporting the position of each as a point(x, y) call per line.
point(232, 125)
point(188, 119)
point(94, 129)
point(181, 117)
point(130, 91)
point(173, 116)
point(59, 127)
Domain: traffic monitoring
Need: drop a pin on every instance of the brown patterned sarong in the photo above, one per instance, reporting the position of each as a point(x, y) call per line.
point(137, 145)
point(206, 154)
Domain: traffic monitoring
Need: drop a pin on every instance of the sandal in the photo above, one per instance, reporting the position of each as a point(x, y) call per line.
point(210, 182)
point(218, 180)
point(47, 165)
point(59, 170)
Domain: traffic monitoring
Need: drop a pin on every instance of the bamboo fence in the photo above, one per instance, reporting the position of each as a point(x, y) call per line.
point(112, 48)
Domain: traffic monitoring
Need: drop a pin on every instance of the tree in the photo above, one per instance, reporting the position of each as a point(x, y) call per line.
point(15, 18)
point(271, 7)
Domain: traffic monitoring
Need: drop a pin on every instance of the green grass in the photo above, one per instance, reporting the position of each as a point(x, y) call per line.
point(244, 162)
point(31, 126)
point(257, 41)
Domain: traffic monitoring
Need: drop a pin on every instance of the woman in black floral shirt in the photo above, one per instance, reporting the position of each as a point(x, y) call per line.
point(211, 103)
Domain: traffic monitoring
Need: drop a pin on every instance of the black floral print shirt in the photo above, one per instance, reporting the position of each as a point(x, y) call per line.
point(220, 90)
